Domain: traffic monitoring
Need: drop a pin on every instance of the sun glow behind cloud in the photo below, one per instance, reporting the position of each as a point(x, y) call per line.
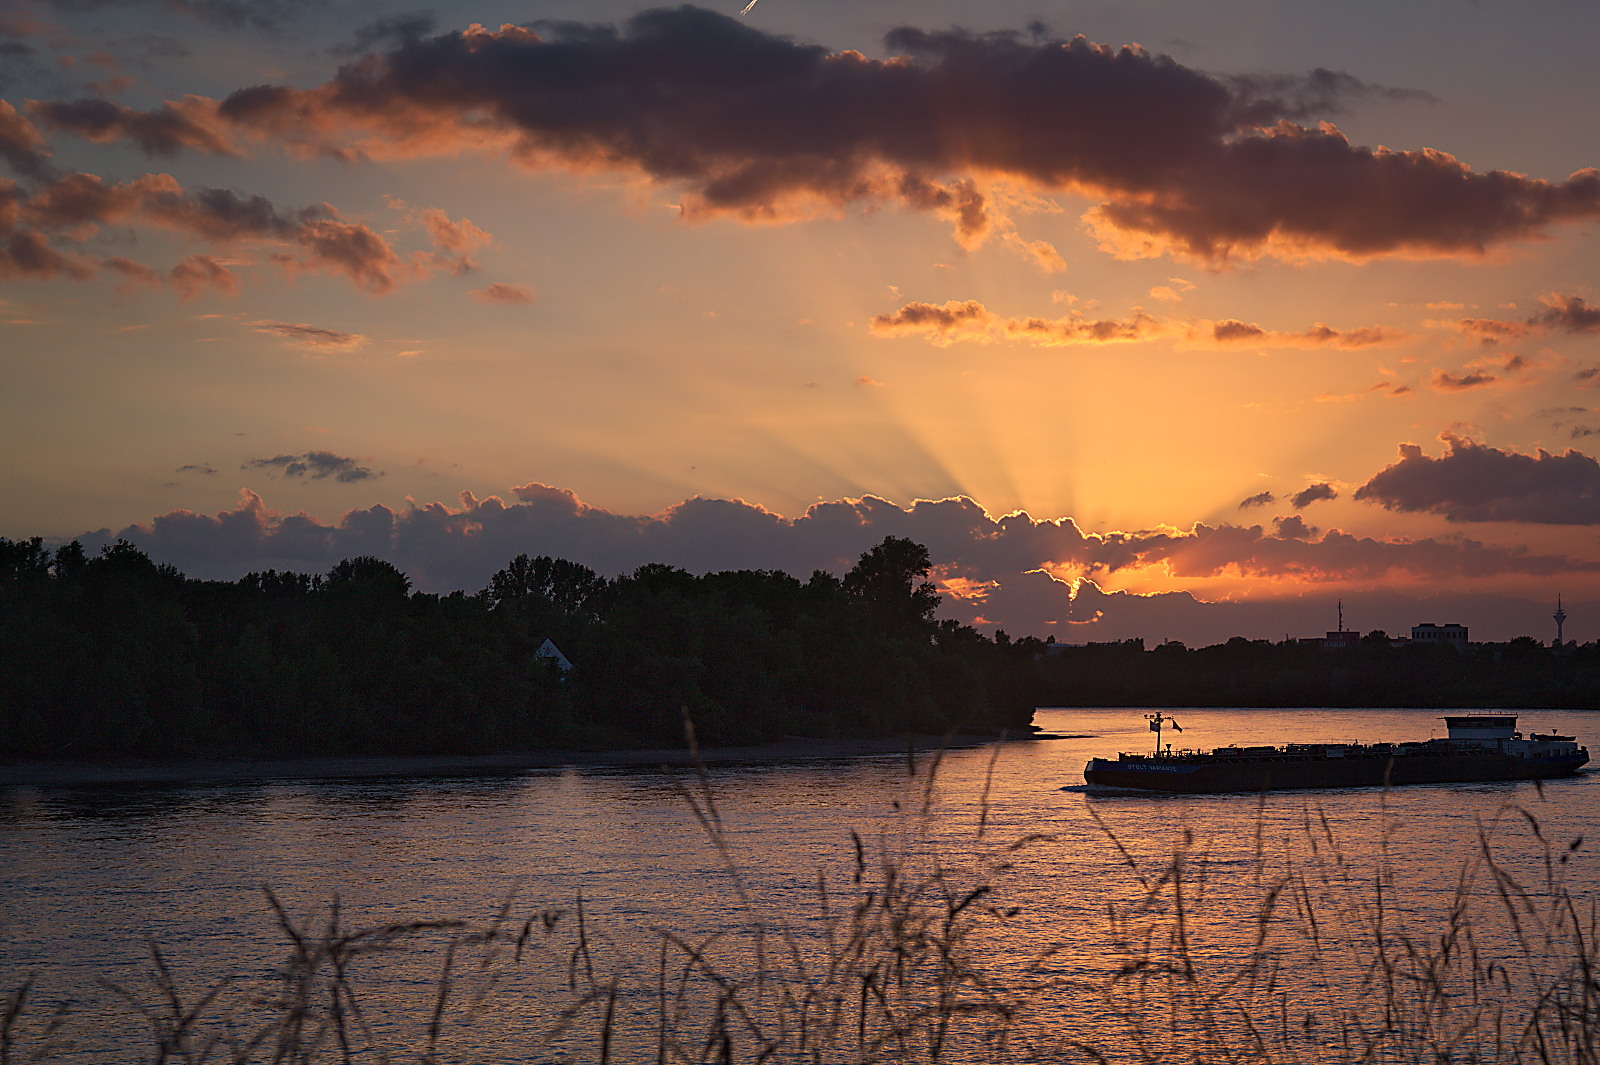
point(657, 325)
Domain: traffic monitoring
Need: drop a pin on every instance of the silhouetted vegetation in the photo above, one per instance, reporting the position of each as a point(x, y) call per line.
point(113, 655)
point(1521, 673)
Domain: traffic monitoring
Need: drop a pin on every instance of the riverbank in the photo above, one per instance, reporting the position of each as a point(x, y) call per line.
point(796, 748)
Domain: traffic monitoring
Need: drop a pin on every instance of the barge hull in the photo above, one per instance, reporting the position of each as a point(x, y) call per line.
point(1278, 774)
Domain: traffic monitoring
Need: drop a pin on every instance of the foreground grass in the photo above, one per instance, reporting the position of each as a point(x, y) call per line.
point(895, 965)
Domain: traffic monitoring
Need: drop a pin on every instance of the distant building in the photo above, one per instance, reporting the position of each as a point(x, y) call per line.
point(549, 650)
point(1332, 640)
point(1451, 635)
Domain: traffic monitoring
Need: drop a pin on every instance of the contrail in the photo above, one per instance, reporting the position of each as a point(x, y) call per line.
point(747, 8)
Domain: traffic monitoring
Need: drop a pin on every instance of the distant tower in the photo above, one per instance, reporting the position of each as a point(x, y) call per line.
point(1561, 617)
point(1341, 615)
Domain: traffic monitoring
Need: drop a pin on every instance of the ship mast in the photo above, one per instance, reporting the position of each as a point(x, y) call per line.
point(1158, 719)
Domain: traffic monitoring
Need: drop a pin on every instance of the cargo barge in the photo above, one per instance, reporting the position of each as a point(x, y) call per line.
point(1479, 747)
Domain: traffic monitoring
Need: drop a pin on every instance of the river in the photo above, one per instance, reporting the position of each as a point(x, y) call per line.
point(90, 878)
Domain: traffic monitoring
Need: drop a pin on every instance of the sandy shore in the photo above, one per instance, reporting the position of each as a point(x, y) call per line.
point(77, 774)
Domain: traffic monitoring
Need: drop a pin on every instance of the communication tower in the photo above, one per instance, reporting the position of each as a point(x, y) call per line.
point(1561, 617)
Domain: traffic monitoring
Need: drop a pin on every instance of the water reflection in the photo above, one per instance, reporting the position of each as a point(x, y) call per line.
point(86, 873)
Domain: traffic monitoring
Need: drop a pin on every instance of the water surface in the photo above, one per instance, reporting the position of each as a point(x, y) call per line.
point(90, 876)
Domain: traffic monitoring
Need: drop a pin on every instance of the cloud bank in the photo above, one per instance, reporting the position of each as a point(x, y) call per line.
point(47, 220)
point(760, 127)
point(1015, 571)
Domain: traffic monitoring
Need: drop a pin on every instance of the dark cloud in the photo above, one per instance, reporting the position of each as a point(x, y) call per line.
point(229, 14)
point(221, 217)
point(1473, 482)
point(1312, 494)
point(1444, 381)
point(209, 213)
point(945, 323)
point(1568, 314)
point(1562, 313)
point(1293, 527)
point(164, 131)
point(21, 145)
point(364, 255)
point(401, 27)
point(1266, 98)
point(761, 127)
point(1260, 499)
point(318, 465)
point(971, 320)
point(26, 255)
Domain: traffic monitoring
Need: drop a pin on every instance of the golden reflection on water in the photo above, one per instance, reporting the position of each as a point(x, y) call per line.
point(1168, 891)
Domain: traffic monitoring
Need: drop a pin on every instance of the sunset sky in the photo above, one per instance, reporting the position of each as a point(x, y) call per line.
point(1159, 319)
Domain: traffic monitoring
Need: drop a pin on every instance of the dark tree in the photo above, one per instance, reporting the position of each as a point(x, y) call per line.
point(369, 574)
point(892, 581)
point(571, 587)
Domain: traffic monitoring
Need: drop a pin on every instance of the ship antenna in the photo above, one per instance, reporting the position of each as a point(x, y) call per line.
point(1156, 721)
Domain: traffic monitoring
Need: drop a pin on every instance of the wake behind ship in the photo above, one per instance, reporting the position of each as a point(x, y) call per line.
point(1478, 748)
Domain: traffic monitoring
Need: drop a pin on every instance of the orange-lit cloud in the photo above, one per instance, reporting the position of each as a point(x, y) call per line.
point(39, 229)
point(1233, 331)
point(945, 323)
point(133, 274)
point(499, 292)
point(763, 128)
point(1563, 313)
point(198, 273)
point(956, 320)
point(312, 337)
point(1444, 381)
point(457, 239)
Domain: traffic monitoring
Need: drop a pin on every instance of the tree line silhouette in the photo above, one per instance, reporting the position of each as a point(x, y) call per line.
point(112, 655)
point(1519, 674)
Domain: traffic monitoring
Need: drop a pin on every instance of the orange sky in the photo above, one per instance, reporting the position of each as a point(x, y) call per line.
point(1236, 308)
